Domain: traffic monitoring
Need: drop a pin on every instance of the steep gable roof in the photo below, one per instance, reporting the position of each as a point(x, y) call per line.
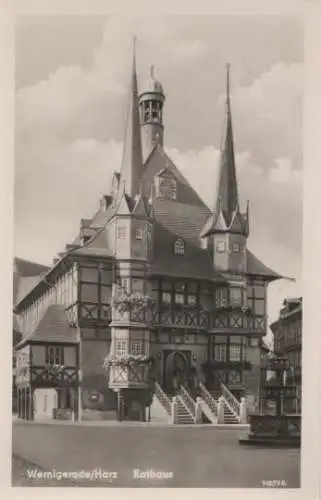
point(257, 268)
point(25, 267)
point(185, 218)
point(52, 328)
point(26, 275)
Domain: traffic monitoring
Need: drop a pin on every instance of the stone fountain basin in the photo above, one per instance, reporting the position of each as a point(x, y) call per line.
point(273, 430)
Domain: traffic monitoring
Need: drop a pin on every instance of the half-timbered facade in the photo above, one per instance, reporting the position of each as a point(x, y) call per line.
point(158, 289)
point(287, 331)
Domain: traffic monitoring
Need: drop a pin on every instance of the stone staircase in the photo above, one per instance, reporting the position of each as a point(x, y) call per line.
point(183, 415)
point(229, 415)
point(209, 408)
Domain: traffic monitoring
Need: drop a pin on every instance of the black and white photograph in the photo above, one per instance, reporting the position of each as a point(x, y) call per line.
point(157, 267)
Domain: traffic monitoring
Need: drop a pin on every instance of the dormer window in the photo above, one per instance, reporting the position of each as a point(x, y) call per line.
point(166, 185)
point(179, 247)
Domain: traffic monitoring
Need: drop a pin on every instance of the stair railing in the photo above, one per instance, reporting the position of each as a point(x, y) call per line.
point(163, 398)
point(188, 401)
point(208, 398)
point(230, 400)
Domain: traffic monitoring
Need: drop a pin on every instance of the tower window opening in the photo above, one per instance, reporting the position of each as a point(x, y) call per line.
point(220, 246)
point(179, 247)
point(139, 233)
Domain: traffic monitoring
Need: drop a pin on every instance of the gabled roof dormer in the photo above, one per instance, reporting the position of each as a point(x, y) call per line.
point(166, 184)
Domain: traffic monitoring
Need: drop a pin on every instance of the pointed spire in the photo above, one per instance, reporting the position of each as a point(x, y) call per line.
point(132, 161)
point(152, 71)
point(227, 193)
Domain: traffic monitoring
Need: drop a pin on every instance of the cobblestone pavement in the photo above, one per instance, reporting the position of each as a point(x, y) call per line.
point(200, 457)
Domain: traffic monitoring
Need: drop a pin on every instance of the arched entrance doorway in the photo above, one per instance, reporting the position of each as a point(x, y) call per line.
point(176, 369)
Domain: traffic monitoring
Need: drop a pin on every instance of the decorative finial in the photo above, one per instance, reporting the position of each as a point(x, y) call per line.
point(228, 82)
point(134, 48)
point(152, 70)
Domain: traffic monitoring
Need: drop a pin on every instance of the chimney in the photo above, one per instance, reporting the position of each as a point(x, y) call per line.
point(84, 223)
point(105, 202)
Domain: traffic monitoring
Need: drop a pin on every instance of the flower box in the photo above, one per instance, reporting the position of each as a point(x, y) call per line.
point(125, 361)
point(128, 302)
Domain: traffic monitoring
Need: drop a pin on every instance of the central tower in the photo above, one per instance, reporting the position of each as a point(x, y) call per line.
point(151, 102)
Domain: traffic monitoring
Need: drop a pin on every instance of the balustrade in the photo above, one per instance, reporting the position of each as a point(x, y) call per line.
point(193, 318)
point(163, 398)
point(208, 398)
point(188, 400)
point(231, 400)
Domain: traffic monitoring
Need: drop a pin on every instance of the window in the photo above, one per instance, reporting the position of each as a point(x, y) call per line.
point(236, 296)
point(220, 246)
point(220, 352)
point(166, 185)
point(139, 233)
point(235, 247)
point(89, 293)
point(137, 285)
point(121, 232)
point(167, 189)
point(191, 300)
point(179, 247)
point(256, 299)
point(166, 297)
point(124, 285)
point(55, 355)
point(179, 298)
point(235, 352)
point(45, 398)
point(138, 347)
point(221, 297)
point(121, 347)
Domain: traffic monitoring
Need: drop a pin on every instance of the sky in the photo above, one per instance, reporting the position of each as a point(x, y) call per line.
point(72, 76)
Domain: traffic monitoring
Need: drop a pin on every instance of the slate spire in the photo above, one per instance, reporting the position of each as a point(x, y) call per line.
point(132, 160)
point(227, 216)
point(227, 193)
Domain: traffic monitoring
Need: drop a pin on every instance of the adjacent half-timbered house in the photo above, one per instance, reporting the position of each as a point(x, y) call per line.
point(162, 293)
point(287, 331)
point(47, 368)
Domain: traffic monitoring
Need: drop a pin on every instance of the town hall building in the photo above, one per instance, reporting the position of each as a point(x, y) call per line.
point(157, 296)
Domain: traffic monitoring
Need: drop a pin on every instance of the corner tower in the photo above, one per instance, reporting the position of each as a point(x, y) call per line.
point(228, 227)
point(132, 161)
point(151, 102)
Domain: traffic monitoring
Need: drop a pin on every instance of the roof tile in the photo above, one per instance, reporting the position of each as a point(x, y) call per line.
point(53, 327)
